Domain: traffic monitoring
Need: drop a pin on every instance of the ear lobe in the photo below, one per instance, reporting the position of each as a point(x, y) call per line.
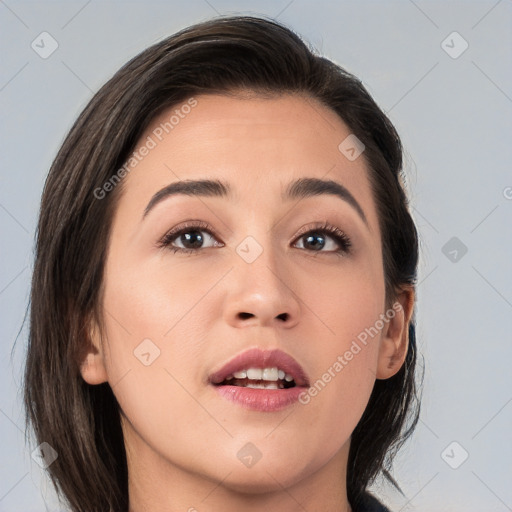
point(92, 365)
point(395, 336)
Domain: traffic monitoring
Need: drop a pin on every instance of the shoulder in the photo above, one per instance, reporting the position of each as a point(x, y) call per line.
point(371, 504)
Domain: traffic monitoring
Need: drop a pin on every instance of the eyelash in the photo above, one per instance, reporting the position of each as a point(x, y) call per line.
point(339, 236)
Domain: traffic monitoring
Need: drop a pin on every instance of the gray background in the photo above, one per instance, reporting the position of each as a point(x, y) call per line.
point(454, 117)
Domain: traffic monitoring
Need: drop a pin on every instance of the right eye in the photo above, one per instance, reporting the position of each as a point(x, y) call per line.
point(189, 234)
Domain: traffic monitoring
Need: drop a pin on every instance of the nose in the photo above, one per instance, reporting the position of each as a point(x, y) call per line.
point(261, 293)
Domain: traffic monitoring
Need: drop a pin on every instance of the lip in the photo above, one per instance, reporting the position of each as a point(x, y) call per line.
point(257, 358)
point(263, 400)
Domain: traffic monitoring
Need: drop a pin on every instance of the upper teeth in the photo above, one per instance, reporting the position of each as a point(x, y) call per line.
point(271, 374)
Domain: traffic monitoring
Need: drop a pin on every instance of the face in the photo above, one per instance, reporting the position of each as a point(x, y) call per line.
point(250, 269)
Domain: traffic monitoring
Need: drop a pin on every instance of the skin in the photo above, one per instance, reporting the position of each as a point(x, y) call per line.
point(182, 439)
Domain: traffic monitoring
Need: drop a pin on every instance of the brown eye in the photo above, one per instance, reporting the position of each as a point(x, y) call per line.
point(191, 237)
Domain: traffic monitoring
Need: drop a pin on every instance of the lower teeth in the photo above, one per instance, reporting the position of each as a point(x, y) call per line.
point(259, 384)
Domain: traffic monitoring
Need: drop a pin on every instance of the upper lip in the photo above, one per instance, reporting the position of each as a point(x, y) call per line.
point(257, 358)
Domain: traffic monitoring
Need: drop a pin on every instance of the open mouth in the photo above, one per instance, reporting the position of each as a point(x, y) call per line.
point(255, 378)
point(261, 380)
point(260, 369)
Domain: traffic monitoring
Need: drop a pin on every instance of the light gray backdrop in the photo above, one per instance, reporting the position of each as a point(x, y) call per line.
point(441, 70)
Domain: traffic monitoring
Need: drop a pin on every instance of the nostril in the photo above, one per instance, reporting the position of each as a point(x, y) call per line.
point(244, 316)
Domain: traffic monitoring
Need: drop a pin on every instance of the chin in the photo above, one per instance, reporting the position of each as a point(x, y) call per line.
point(263, 476)
point(253, 481)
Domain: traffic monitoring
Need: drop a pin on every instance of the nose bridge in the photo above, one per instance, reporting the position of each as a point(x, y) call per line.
point(259, 264)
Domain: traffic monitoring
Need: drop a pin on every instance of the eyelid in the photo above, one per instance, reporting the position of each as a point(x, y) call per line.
point(197, 225)
point(333, 231)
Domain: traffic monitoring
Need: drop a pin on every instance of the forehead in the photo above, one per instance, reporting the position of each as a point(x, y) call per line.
point(262, 121)
point(257, 144)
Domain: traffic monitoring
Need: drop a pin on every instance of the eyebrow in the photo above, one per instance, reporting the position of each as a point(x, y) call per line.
point(298, 189)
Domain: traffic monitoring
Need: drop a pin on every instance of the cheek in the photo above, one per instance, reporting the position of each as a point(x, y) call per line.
point(152, 351)
point(348, 301)
point(152, 326)
point(345, 350)
point(340, 388)
point(154, 301)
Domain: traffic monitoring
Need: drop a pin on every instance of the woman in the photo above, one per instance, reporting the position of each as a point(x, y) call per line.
point(223, 293)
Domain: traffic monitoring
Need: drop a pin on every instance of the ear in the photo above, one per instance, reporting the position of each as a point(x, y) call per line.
point(92, 360)
point(395, 335)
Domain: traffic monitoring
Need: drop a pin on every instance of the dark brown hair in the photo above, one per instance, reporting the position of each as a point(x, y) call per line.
point(223, 55)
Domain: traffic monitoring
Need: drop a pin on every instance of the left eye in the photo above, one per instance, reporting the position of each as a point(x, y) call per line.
point(317, 241)
point(319, 232)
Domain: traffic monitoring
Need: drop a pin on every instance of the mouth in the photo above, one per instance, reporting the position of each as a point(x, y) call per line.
point(264, 381)
point(261, 369)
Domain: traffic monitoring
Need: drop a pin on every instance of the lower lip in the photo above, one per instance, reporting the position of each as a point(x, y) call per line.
point(264, 400)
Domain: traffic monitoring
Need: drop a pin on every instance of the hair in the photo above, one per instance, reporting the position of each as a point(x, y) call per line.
point(223, 55)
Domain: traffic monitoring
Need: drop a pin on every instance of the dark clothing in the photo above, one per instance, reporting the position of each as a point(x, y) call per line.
point(371, 504)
